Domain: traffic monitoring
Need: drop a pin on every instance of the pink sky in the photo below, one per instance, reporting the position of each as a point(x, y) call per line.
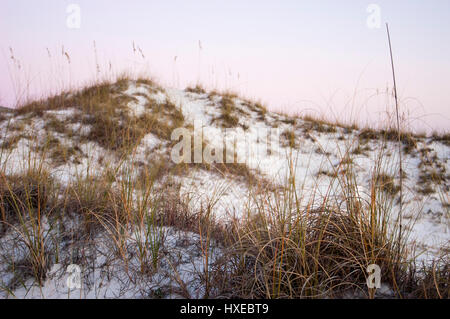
point(298, 56)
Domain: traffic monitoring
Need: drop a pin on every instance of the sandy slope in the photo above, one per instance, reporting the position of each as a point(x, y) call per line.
point(426, 215)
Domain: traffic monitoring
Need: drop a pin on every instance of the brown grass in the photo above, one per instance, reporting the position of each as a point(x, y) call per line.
point(408, 140)
point(228, 119)
point(387, 184)
point(279, 249)
point(289, 137)
point(198, 89)
point(26, 200)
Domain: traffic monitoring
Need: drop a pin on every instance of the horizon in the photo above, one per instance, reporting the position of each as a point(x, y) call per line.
point(324, 59)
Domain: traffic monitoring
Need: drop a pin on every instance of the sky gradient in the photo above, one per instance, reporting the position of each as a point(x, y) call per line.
point(318, 57)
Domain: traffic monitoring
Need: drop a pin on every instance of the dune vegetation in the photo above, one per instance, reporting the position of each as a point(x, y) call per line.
point(87, 179)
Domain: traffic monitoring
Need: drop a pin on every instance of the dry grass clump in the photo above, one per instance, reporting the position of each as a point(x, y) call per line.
point(162, 119)
point(105, 112)
point(318, 127)
point(286, 250)
point(60, 153)
point(103, 106)
point(361, 150)
point(369, 134)
point(174, 212)
point(240, 171)
point(10, 142)
point(3, 115)
point(426, 189)
point(95, 202)
point(289, 120)
point(198, 89)
point(228, 119)
point(432, 175)
point(16, 126)
point(160, 167)
point(333, 174)
point(436, 283)
point(430, 281)
point(408, 140)
point(283, 251)
point(444, 138)
point(55, 125)
point(112, 127)
point(322, 125)
point(110, 131)
point(259, 108)
point(21, 196)
point(387, 184)
point(289, 138)
point(429, 177)
point(63, 154)
point(25, 204)
point(147, 81)
point(99, 95)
